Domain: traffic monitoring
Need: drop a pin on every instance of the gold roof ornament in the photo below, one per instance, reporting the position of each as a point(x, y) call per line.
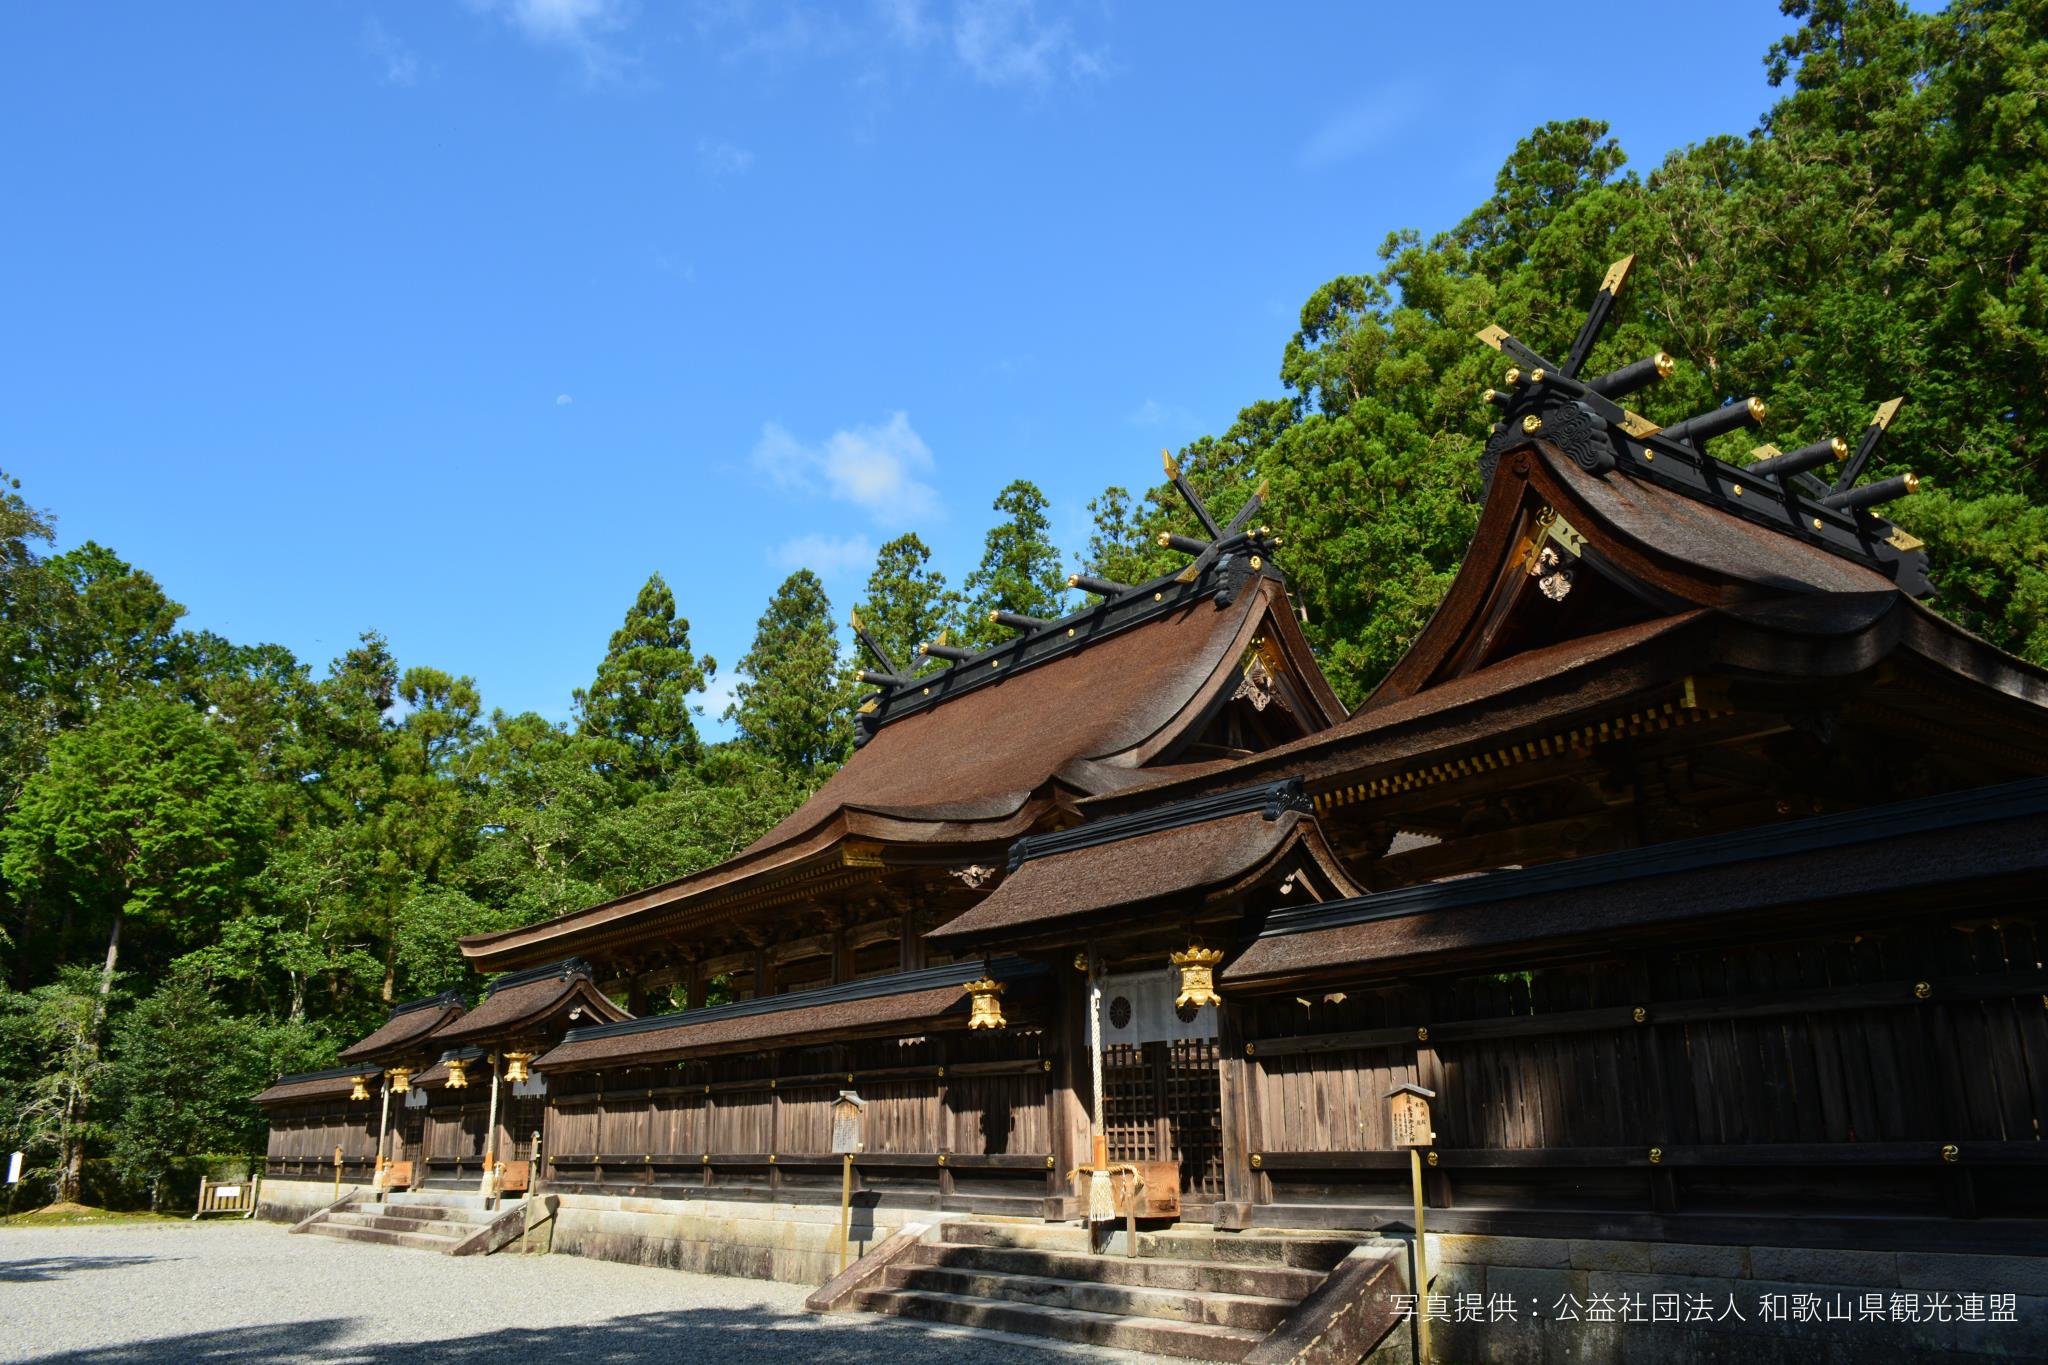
point(517, 1067)
point(986, 1010)
point(401, 1079)
point(1197, 976)
point(359, 1087)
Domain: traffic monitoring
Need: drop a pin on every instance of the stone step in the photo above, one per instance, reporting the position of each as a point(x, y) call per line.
point(446, 1199)
point(1190, 1340)
point(1205, 1277)
point(440, 1229)
point(411, 1240)
point(1260, 1248)
point(425, 1213)
point(1249, 1313)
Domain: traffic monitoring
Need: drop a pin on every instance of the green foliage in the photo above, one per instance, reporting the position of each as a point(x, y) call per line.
point(640, 706)
point(144, 814)
point(276, 856)
point(51, 1115)
point(790, 701)
point(907, 603)
point(1881, 233)
point(182, 1068)
point(1019, 570)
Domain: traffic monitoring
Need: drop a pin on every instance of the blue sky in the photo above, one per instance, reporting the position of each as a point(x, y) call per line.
point(455, 319)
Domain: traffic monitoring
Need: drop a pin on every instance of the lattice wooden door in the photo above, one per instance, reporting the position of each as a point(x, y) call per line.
point(1163, 1102)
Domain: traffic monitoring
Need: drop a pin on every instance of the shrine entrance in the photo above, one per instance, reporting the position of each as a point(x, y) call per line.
point(1162, 1091)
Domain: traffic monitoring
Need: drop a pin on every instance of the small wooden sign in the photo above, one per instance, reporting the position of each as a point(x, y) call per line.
point(1408, 1117)
point(846, 1120)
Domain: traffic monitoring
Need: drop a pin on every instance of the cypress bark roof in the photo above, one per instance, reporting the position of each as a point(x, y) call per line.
point(408, 1026)
point(1187, 852)
point(529, 1000)
point(982, 767)
point(316, 1085)
point(918, 1001)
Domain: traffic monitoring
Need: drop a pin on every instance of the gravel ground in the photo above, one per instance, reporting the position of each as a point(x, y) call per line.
point(152, 1294)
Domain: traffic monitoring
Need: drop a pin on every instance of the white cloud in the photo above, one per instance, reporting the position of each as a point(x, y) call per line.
point(876, 467)
point(1005, 42)
point(717, 695)
point(1358, 129)
point(826, 556)
point(563, 400)
point(578, 27)
point(997, 42)
point(401, 64)
point(719, 157)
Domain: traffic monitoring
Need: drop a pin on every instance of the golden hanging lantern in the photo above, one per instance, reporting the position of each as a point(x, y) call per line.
point(987, 1009)
point(1197, 976)
point(359, 1087)
point(516, 1068)
point(401, 1079)
point(458, 1073)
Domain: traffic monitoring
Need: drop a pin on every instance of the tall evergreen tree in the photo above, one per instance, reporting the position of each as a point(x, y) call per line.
point(1020, 568)
point(640, 705)
point(143, 817)
point(907, 603)
point(791, 699)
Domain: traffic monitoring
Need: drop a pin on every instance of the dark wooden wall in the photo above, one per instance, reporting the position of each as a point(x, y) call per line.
point(303, 1138)
point(1900, 1071)
point(955, 1120)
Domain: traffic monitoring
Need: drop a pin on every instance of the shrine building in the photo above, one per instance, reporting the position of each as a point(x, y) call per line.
point(1690, 862)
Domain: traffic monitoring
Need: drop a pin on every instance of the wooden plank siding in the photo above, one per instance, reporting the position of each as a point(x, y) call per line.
point(953, 1120)
point(303, 1138)
point(1784, 1077)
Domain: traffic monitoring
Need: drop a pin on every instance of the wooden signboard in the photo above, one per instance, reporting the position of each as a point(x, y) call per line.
point(846, 1117)
point(1408, 1117)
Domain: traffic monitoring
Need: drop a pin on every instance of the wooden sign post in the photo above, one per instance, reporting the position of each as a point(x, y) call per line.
point(1408, 1121)
point(846, 1143)
point(337, 1172)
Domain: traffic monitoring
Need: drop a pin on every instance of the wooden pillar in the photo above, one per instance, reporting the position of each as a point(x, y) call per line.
point(842, 949)
point(1429, 1073)
point(774, 1120)
point(942, 1136)
point(910, 954)
point(1237, 1081)
point(764, 972)
point(1066, 1097)
point(1650, 1058)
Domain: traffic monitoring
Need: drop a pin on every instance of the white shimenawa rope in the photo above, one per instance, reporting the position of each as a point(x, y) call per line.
point(1101, 1196)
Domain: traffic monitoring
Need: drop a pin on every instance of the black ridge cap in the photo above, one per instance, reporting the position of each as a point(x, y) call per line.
point(1076, 631)
point(332, 1074)
point(868, 988)
point(444, 998)
point(1846, 829)
point(1788, 507)
point(567, 969)
point(464, 1054)
point(1274, 799)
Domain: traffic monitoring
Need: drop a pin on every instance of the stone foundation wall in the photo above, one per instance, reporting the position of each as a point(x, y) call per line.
point(1795, 1306)
point(798, 1243)
point(287, 1201)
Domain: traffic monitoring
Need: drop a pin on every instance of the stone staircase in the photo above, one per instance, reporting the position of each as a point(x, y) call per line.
point(1194, 1294)
point(421, 1220)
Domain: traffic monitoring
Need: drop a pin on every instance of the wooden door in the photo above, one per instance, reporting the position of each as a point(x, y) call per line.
point(1163, 1102)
